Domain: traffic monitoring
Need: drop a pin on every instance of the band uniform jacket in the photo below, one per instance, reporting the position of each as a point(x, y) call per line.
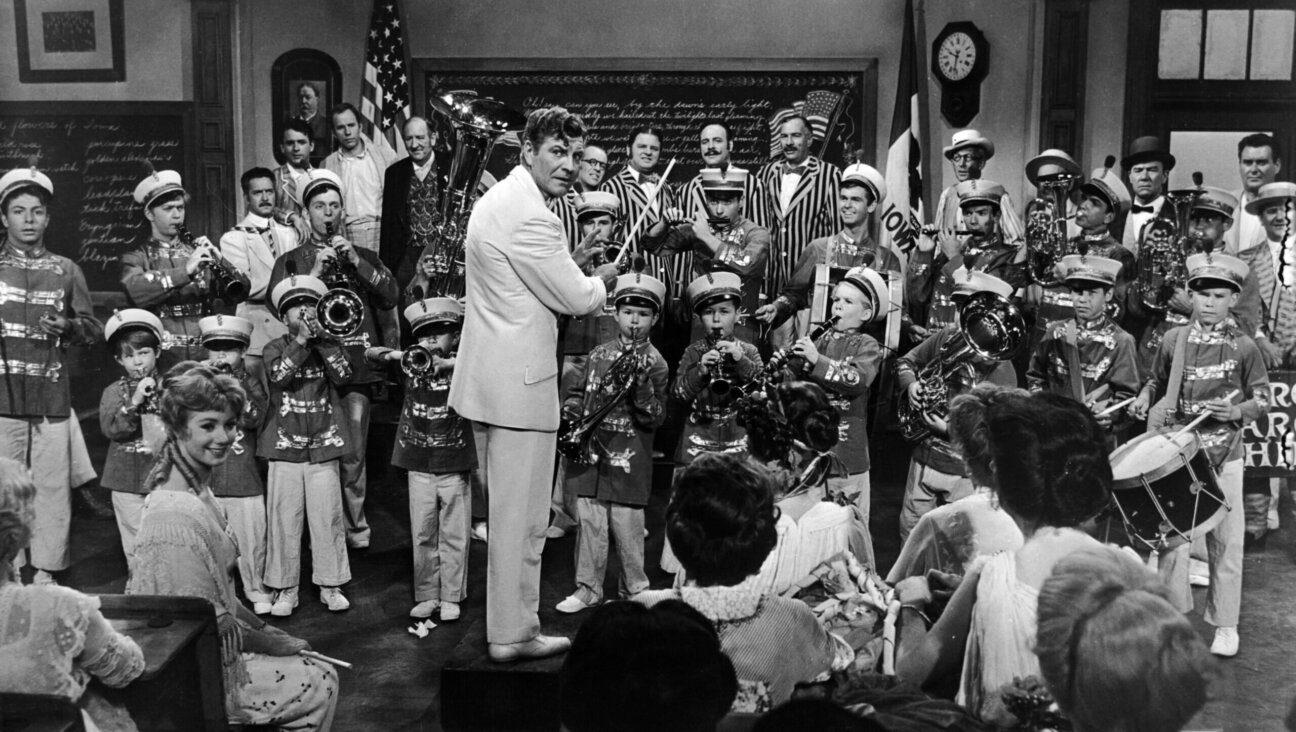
point(1055, 301)
point(431, 437)
point(129, 458)
point(623, 440)
point(155, 278)
point(401, 240)
point(998, 258)
point(712, 422)
point(377, 290)
point(633, 201)
point(1217, 360)
point(238, 476)
point(520, 277)
point(936, 450)
point(812, 213)
point(1104, 352)
point(304, 420)
point(32, 362)
point(848, 363)
point(581, 333)
point(744, 250)
point(692, 201)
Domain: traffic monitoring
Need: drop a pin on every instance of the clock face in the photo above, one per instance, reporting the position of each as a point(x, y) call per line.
point(957, 56)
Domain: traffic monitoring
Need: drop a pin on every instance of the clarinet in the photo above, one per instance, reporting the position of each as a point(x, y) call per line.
point(780, 358)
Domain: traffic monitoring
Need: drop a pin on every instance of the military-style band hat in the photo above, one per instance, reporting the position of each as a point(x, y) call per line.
point(870, 177)
point(714, 287)
point(731, 180)
point(217, 328)
point(1147, 149)
point(432, 311)
point(1213, 270)
point(297, 287)
point(969, 138)
point(23, 177)
point(968, 283)
point(1268, 195)
point(128, 319)
point(1214, 199)
point(868, 281)
point(637, 288)
point(1108, 187)
point(979, 191)
point(157, 184)
point(598, 203)
point(1050, 163)
point(318, 179)
point(1081, 269)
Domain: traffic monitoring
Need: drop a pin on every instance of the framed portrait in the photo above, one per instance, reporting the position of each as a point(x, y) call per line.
point(70, 40)
point(306, 83)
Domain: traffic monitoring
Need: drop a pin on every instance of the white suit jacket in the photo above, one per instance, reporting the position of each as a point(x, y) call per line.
point(519, 278)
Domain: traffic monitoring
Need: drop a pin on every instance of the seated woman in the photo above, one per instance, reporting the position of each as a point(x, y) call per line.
point(1046, 459)
point(53, 639)
point(1114, 651)
point(721, 521)
point(183, 549)
point(793, 429)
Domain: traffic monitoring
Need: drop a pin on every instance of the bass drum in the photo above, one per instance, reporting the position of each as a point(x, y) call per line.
point(1165, 490)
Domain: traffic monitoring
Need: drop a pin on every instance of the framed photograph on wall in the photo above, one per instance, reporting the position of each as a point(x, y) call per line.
point(70, 40)
point(305, 84)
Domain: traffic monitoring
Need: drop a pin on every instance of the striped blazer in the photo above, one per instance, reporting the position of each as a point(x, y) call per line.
point(633, 201)
point(811, 214)
point(1277, 306)
point(565, 209)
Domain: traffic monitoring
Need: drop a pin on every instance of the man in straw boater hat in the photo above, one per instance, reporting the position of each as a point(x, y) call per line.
point(47, 308)
point(1211, 367)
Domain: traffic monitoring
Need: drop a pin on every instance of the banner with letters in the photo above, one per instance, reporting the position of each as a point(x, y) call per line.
point(1269, 443)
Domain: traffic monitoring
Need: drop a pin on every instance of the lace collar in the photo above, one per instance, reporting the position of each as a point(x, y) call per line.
point(724, 603)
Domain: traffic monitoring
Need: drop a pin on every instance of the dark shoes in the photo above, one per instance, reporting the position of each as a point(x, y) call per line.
point(541, 646)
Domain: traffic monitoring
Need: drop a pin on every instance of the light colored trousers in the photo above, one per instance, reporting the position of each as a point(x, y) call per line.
point(128, 509)
point(625, 523)
point(364, 232)
point(355, 405)
point(42, 444)
point(925, 489)
point(519, 470)
point(246, 516)
point(857, 485)
point(1223, 552)
point(309, 493)
point(440, 519)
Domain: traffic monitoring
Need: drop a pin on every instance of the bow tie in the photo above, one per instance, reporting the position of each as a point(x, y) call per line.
point(649, 178)
point(262, 229)
point(1141, 209)
point(794, 169)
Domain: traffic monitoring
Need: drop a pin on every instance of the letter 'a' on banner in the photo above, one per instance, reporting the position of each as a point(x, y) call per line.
point(1269, 443)
point(902, 215)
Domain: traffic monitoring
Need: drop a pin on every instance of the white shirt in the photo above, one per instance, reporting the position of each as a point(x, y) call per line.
point(421, 171)
point(1250, 232)
point(649, 189)
point(1137, 220)
point(362, 179)
point(787, 187)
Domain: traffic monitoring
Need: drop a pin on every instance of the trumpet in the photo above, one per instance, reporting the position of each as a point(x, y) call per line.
point(725, 375)
point(341, 311)
point(222, 280)
point(417, 361)
point(629, 263)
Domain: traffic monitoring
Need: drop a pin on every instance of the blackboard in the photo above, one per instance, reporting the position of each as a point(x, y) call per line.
point(615, 95)
point(94, 154)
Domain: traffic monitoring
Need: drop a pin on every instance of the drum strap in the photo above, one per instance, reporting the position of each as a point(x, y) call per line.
point(1072, 350)
point(1161, 412)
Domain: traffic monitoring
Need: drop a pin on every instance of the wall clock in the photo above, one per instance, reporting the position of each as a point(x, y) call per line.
point(960, 61)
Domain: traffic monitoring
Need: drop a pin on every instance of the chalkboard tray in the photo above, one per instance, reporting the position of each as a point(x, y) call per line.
point(677, 95)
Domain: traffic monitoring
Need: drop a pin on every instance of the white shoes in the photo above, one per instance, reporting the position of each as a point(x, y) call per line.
point(284, 603)
point(1226, 642)
point(449, 612)
point(43, 578)
point(333, 597)
point(573, 604)
point(425, 609)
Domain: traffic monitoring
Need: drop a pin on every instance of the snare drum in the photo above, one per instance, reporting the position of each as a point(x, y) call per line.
point(1165, 489)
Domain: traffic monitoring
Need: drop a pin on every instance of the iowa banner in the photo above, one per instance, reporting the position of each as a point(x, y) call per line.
point(902, 217)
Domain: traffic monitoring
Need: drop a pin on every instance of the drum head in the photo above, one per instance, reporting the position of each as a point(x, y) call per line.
point(1151, 457)
point(1172, 498)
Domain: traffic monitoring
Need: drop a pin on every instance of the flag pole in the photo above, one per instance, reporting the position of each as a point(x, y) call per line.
point(837, 109)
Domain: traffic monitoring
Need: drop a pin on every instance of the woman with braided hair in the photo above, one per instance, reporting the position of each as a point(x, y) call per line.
point(183, 548)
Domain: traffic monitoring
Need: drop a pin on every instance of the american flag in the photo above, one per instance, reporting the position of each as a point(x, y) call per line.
point(385, 91)
point(819, 108)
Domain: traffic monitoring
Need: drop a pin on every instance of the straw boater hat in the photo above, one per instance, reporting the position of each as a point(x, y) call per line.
point(1217, 200)
point(294, 288)
point(1145, 149)
point(433, 311)
point(977, 191)
point(637, 288)
point(218, 328)
point(1215, 270)
point(155, 185)
point(129, 319)
point(969, 138)
point(1049, 163)
point(598, 203)
point(869, 282)
point(870, 177)
point(23, 177)
point(1268, 195)
point(1087, 269)
point(714, 287)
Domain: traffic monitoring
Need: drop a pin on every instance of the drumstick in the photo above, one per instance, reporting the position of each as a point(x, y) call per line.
point(1200, 418)
point(652, 205)
point(889, 638)
point(324, 658)
point(1114, 407)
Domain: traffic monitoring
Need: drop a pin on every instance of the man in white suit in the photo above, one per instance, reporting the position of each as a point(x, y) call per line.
point(520, 276)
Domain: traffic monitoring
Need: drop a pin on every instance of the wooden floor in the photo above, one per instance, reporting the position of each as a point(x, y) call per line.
point(395, 682)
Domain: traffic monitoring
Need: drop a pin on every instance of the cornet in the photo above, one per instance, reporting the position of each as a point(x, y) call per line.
point(341, 311)
point(418, 362)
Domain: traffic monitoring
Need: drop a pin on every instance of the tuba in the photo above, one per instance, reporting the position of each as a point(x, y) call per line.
point(989, 326)
point(1046, 227)
point(1164, 250)
point(478, 123)
point(576, 438)
point(341, 311)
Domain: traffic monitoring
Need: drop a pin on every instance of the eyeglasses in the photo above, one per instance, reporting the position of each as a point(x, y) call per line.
point(595, 164)
point(967, 158)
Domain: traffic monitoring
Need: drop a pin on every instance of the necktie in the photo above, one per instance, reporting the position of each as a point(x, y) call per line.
point(1140, 209)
